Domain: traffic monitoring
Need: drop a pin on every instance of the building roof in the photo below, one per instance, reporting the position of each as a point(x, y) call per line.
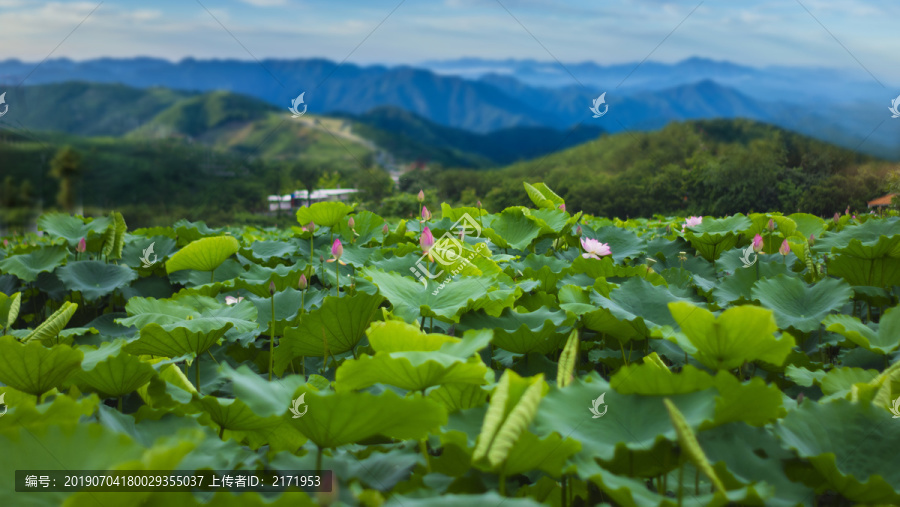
point(321, 193)
point(884, 200)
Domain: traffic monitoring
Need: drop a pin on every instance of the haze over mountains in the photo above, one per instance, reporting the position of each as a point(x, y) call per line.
point(485, 96)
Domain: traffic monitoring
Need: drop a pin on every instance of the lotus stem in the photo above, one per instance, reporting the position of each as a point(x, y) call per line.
point(212, 276)
point(423, 446)
point(696, 481)
point(337, 279)
point(502, 484)
point(272, 339)
point(680, 484)
point(197, 373)
point(120, 405)
point(562, 490)
point(311, 247)
point(212, 357)
point(319, 459)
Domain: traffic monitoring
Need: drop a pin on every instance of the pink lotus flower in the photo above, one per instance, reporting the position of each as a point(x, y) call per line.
point(847, 211)
point(426, 241)
point(82, 246)
point(303, 283)
point(337, 250)
point(426, 215)
point(784, 249)
point(421, 196)
point(757, 243)
point(594, 248)
point(693, 221)
point(232, 300)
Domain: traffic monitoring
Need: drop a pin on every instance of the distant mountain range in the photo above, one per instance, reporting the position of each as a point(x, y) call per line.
point(487, 96)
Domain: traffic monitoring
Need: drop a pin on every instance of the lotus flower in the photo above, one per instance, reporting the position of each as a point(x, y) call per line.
point(757, 243)
point(421, 196)
point(847, 211)
point(337, 250)
point(771, 225)
point(426, 240)
point(232, 300)
point(303, 283)
point(426, 215)
point(784, 249)
point(82, 246)
point(693, 221)
point(594, 248)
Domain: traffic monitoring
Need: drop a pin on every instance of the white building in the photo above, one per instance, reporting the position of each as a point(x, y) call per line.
point(299, 198)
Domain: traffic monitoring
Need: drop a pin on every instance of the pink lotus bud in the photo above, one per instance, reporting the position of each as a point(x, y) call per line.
point(479, 204)
point(303, 283)
point(82, 246)
point(784, 249)
point(847, 211)
point(385, 229)
point(562, 206)
point(272, 287)
point(426, 215)
point(771, 225)
point(337, 249)
point(578, 231)
point(757, 243)
point(812, 239)
point(426, 240)
point(421, 196)
point(5, 243)
point(837, 217)
point(351, 223)
point(311, 226)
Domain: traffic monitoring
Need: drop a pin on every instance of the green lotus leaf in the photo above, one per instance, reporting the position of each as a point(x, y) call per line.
point(113, 372)
point(200, 313)
point(187, 231)
point(875, 265)
point(456, 397)
point(690, 446)
point(631, 422)
point(266, 250)
point(25, 412)
point(413, 371)
point(398, 336)
point(335, 419)
point(744, 333)
point(95, 279)
point(9, 309)
point(175, 340)
point(853, 452)
point(55, 447)
point(367, 225)
point(52, 327)
point(513, 228)
point(542, 197)
point(840, 380)
point(714, 236)
point(234, 414)
point(752, 402)
point(133, 251)
point(798, 306)
point(868, 233)
point(649, 379)
point(26, 267)
point(262, 397)
point(548, 454)
point(411, 300)
point(324, 214)
point(551, 221)
point(736, 288)
point(334, 328)
point(144, 311)
point(568, 361)
point(632, 310)
point(205, 254)
point(73, 228)
point(489, 498)
point(882, 340)
point(257, 279)
point(34, 368)
point(548, 270)
point(541, 331)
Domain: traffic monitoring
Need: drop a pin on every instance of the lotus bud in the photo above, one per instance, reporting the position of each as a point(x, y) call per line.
point(837, 217)
point(303, 283)
point(426, 240)
point(784, 249)
point(5, 243)
point(311, 226)
point(426, 215)
point(562, 206)
point(385, 229)
point(812, 239)
point(82, 246)
point(757, 243)
point(771, 225)
point(800, 398)
point(337, 249)
point(421, 196)
point(847, 211)
point(578, 231)
point(272, 287)
point(479, 204)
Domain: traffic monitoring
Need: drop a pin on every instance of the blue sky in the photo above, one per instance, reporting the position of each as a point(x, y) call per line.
point(751, 32)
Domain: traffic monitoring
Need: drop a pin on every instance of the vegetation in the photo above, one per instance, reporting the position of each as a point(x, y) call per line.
point(540, 357)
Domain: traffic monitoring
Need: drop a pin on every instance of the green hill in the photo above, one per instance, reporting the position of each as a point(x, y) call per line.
point(710, 167)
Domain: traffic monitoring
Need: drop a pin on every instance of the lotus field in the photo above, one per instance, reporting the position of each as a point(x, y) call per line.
point(465, 358)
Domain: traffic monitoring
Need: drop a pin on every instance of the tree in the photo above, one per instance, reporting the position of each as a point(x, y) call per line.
point(375, 183)
point(308, 176)
point(66, 167)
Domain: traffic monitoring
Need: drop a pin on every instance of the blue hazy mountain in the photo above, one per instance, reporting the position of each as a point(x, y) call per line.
point(484, 96)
